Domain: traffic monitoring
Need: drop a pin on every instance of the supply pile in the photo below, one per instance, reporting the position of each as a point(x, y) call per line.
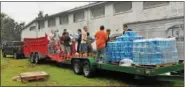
point(122, 47)
point(155, 51)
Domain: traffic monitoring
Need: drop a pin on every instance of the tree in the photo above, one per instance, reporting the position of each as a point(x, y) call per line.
point(10, 29)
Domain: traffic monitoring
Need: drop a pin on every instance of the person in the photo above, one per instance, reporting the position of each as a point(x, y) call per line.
point(62, 42)
point(50, 35)
point(56, 41)
point(83, 45)
point(50, 38)
point(101, 38)
point(79, 40)
point(67, 46)
point(65, 31)
point(73, 46)
point(125, 28)
point(108, 36)
point(89, 43)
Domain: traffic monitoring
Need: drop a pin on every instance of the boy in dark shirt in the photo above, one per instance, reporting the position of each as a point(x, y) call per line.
point(79, 40)
point(67, 46)
point(89, 43)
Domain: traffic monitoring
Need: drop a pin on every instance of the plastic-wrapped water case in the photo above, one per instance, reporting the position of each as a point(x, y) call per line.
point(130, 33)
point(157, 50)
point(123, 47)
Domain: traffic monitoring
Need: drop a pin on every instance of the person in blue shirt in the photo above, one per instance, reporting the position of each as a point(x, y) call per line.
point(125, 28)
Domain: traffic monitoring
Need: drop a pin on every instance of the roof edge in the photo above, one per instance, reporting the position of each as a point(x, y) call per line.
point(67, 11)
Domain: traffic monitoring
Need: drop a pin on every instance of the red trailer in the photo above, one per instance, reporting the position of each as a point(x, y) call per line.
point(37, 48)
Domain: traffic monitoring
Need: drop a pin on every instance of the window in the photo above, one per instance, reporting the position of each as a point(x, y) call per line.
point(41, 24)
point(51, 22)
point(32, 28)
point(122, 6)
point(97, 12)
point(64, 19)
point(150, 4)
point(79, 16)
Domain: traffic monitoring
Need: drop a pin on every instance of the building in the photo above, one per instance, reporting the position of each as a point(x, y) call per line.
point(149, 19)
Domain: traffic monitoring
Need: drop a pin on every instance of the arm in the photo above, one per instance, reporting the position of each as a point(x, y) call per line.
point(106, 36)
point(84, 36)
point(95, 35)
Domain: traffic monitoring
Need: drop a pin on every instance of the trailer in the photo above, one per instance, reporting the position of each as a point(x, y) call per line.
point(37, 49)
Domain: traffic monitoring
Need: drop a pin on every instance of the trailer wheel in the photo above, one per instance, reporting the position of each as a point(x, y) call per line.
point(15, 56)
point(87, 71)
point(36, 58)
point(32, 58)
point(77, 69)
point(4, 55)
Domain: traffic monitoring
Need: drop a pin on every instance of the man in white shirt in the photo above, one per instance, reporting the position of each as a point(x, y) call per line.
point(83, 45)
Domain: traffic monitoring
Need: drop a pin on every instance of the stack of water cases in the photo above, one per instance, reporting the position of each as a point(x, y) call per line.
point(122, 47)
point(155, 51)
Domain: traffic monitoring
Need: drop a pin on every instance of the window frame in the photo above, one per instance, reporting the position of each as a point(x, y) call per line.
point(39, 24)
point(97, 16)
point(77, 13)
point(122, 12)
point(54, 22)
point(154, 6)
point(63, 16)
point(34, 28)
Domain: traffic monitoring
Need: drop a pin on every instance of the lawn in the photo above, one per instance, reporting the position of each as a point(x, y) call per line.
point(64, 76)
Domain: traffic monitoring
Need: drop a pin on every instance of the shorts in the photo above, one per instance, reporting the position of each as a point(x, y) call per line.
point(62, 47)
point(67, 49)
point(83, 48)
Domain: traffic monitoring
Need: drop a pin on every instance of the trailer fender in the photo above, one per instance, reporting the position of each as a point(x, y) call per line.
point(92, 63)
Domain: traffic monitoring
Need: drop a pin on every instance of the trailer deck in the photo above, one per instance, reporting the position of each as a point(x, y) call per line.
point(137, 70)
point(38, 47)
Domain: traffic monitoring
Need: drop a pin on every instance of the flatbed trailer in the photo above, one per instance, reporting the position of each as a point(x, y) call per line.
point(87, 65)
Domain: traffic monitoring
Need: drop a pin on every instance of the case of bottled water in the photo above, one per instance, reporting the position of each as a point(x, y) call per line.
point(122, 48)
point(155, 51)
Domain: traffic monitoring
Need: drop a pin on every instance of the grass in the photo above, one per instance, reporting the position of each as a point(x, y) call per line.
point(64, 76)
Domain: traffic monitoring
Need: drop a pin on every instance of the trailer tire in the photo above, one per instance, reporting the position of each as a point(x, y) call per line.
point(32, 58)
point(87, 70)
point(37, 58)
point(4, 55)
point(77, 68)
point(15, 56)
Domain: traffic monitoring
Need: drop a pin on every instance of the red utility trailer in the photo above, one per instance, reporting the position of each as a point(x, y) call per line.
point(37, 48)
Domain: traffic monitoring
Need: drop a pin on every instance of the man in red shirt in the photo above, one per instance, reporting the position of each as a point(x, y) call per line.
point(101, 38)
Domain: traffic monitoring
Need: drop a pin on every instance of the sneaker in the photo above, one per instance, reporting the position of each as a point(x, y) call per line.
point(100, 62)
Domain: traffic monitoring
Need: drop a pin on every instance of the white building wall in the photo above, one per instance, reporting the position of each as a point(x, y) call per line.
point(114, 21)
point(26, 33)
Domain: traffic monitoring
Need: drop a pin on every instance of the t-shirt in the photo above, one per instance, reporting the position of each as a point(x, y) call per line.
point(101, 38)
point(127, 30)
point(108, 39)
point(62, 39)
point(84, 37)
point(79, 38)
point(67, 40)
